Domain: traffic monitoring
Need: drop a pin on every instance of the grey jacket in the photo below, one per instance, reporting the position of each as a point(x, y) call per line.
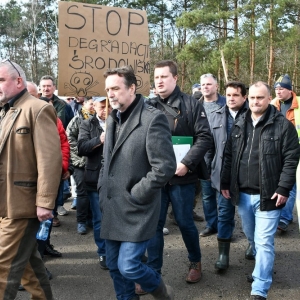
point(72, 132)
point(219, 128)
point(134, 170)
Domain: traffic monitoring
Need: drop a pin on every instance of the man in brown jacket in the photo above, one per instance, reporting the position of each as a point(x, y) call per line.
point(30, 169)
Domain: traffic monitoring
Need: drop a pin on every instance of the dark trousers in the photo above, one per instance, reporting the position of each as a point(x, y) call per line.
point(82, 209)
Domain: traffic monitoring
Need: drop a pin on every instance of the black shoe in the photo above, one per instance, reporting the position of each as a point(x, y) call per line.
point(282, 226)
point(249, 253)
point(250, 278)
point(49, 250)
point(257, 297)
point(50, 276)
point(102, 262)
point(21, 288)
point(207, 232)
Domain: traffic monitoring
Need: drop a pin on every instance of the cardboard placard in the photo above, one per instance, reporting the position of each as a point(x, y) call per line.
point(93, 38)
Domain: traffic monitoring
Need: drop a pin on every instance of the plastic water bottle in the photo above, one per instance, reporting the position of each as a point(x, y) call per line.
point(43, 231)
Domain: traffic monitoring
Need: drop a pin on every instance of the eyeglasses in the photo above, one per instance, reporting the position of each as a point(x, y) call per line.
point(70, 98)
point(5, 60)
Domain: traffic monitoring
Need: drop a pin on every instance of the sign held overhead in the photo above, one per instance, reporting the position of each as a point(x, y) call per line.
point(93, 38)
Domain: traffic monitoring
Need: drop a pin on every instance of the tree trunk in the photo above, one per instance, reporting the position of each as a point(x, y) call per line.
point(271, 47)
point(236, 34)
point(252, 46)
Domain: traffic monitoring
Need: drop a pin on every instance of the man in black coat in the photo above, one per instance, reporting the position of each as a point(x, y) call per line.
point(90, 144)
point(138, 161)
point(187, 118)
point(259, 170)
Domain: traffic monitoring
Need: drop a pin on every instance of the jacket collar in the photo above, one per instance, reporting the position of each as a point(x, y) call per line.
point(268, 117)
point(133, 121)
point(121, 117)
point(173, 100)
point(294, 102)
point(242, 110)
point(12, 101)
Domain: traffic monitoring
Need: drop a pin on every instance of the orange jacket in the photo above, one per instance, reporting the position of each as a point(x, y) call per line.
point(290, 113)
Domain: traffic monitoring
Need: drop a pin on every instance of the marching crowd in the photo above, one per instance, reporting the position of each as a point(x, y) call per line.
point(117, 153)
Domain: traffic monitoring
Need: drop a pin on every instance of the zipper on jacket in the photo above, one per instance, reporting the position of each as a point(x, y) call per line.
point(250, 150)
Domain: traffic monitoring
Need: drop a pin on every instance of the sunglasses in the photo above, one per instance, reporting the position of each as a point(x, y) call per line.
point(70, 98)
point(5, 60)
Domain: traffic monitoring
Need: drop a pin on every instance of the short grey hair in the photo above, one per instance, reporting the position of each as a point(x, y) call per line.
point(14, 70)
point(209, 75)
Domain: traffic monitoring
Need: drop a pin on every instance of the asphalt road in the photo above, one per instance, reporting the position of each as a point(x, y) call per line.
point(78, 276)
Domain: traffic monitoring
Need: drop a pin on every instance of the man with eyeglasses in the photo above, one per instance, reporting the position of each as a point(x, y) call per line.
point(30, 159)
point(211, 101)
point(190, 121)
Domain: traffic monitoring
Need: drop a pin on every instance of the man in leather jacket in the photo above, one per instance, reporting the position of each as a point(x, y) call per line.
point(190, 121)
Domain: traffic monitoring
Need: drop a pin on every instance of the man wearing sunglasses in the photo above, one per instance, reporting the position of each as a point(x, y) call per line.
point(29, 155)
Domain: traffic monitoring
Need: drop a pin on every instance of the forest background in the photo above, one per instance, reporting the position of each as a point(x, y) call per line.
point(259, 40)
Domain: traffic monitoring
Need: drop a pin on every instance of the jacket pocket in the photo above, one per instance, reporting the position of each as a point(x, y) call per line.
point(270, 144)
point(236, 139)
point(25, 183)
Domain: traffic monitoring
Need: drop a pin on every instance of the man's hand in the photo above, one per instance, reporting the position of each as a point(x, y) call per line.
point(44, 214)
point(102, 137)
point(181, 169)
point(226, 194)
point(279, 199)
point(66, 175)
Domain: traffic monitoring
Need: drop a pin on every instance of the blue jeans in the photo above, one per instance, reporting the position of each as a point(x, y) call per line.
point(66, 187)
point(59, 201)
point(97, 216)
point(182, 199)
point(287, 212)
point(260, 228)
point(226, 218)
point(209, 201)
point(124, 262)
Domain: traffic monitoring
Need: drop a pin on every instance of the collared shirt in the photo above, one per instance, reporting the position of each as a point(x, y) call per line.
point(5, 108)
point(233, 113)
point(254, 122)
point(101, 122)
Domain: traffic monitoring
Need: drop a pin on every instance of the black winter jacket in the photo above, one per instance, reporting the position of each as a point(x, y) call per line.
point(89, 145)
point(278, 158)
point(192, 122)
